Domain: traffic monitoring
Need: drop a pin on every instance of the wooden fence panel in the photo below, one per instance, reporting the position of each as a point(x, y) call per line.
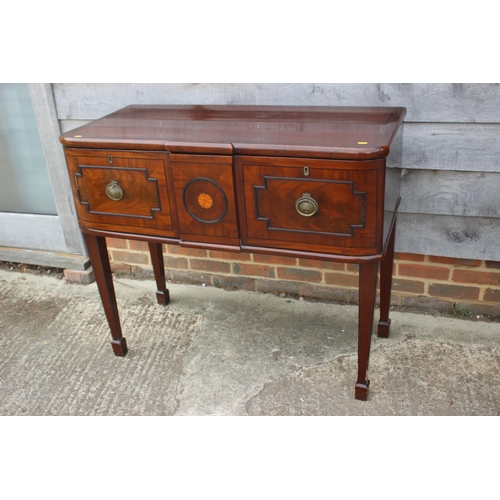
point(426, 102)
point(449, 236)
point(469, 194)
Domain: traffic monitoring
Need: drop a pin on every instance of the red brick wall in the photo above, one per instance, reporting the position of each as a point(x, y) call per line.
point(421, 282)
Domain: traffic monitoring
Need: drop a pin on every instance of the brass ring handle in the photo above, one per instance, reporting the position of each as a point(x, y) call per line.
point(114, 191)
point(306, 205)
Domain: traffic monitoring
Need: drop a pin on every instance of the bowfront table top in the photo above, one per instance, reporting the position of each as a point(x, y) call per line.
point(307, 132)
point(315, 182)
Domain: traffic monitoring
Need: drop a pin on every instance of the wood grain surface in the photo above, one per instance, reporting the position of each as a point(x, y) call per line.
point(426, 102)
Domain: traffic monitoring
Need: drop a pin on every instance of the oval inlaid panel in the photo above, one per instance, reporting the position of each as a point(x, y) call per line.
point(204, 200)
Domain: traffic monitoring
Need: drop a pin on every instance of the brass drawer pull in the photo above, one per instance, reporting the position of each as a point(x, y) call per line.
point(114, 191)
point(306, 205)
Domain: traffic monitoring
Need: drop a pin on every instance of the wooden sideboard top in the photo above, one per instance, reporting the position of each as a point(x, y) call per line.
point(348, 133)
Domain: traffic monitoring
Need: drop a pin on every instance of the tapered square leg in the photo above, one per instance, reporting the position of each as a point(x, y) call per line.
point(163, 298)
point(98, 253)
point(367, 293)
point(386, 267)
point(384, 328)
point(119, 347)
point(361, 391)
point(162, 293)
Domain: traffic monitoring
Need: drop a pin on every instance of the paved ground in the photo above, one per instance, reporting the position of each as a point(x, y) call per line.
point(214, 352)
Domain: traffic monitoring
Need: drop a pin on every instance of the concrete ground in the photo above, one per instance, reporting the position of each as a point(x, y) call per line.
point(215, 352)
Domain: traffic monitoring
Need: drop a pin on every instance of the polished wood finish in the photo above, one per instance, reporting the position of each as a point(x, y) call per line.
point(142, 176)
point(156, 252)
point(295, 131)
point(367, 292)
point(98, 253)
point(295, 181)
point(204, 194)
point(349, 194)
point(386, 272)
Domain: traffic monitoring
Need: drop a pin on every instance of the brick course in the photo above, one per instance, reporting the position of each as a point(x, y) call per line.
point(455, 262)
point(332, 266)
point(254, 270)
point(217, 254)
point(274, 259)
point(175, 262)
point(409, 256)
point(464, 276)
point(130, 257)
point(423, 271)
point(492, 295)
point(340, 279)
point(410, 286)
point(426, 282)
point(211, 266)
point(297, 274)
point(141, 246)
point(116, 243)
point(188, 252)
point(453, 291)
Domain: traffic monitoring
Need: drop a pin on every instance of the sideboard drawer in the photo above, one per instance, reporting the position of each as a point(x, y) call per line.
point(122, 190)
point(313, 205)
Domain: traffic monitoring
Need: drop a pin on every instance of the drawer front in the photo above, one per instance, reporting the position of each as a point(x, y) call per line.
point(312, 205)
point(204, 193)
point(122, 191)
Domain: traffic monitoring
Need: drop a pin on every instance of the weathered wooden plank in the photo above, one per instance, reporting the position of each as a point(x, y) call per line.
point(426, 102)
point(71, 124)
point(452, 146)
point(469, 194)
point(449, 236)
point(61, 260)
point(48, 127)
point(90, 101)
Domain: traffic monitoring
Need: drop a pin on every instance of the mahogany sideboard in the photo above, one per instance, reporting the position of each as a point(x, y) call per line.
point(315, 182)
